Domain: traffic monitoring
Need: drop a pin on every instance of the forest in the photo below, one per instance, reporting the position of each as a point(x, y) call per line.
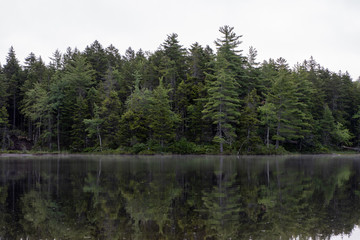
point(176, 100)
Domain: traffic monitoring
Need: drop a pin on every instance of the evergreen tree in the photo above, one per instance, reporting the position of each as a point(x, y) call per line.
point(77, 79)
point(161, 119)
point(57, 61)
point(333, 132)
point(110, 113)
point(268, 119)
point(189, 92)
point(4, 116)
point(13, 74)
point(78, 136)
point(35, 72)
point(223, 103)
point(133, 62)
point(284, 94)
point(57, 103)
point(249, 121)
point(252, 71)
point(79, 76)
point(94, 126)
point(36, 108)
point(113, 57)
point(97, 57)
point(174, 67)
point(134, 121)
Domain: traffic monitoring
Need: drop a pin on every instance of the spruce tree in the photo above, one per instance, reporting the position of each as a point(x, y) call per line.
point(249, 120)
point(292, 123)
point(223, 103)
point(134, 122)
point(75, 84)
point(161, 119)
point(37, 109)
point(110, 112)
point(14, 78)
point(4, 116)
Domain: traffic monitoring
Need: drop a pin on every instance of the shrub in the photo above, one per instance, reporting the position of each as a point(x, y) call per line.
point(183, 147)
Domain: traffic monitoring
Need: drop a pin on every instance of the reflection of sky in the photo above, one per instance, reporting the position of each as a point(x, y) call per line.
point(355, 234)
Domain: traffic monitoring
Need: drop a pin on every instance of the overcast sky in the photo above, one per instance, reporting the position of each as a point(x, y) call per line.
point(328, 30)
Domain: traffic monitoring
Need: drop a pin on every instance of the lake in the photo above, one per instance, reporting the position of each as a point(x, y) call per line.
point(179, 197)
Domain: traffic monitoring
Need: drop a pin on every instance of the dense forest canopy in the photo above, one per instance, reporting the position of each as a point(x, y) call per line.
point(195, 100)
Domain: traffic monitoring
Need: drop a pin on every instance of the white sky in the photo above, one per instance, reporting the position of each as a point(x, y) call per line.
point(328, 30)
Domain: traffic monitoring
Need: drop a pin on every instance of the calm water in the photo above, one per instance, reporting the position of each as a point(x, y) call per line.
point(193, 197)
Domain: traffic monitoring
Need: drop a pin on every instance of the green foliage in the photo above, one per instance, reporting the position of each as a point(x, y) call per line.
point(161, 119)
point(97, 99)
point(222, 104)
point(341, 134)
point(139, 147)
point(94, 125)
point(110, 113)
point(289, 106)
point(184, 147)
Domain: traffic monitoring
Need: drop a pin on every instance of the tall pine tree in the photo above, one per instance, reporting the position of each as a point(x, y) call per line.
point(223, 102)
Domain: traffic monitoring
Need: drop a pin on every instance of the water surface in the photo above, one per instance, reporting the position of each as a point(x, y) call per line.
point(178, 197)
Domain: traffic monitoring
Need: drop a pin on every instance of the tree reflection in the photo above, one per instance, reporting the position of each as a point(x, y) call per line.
point(187, 198)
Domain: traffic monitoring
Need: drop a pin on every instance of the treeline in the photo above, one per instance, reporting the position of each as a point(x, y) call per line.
point(176, 100)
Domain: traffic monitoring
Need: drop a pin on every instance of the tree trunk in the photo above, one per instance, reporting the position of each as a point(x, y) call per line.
point(277, 134)
point(99, 136)
point(4, 137)
point(221, 138)
point(58, 129)
point(220, 132)
point(49, 129)
point(14, 111)
point(248, 139)
point(30, 135)
point(39, 133)
point(267, 136)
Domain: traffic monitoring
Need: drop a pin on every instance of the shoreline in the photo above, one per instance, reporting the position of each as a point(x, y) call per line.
point(169, 154)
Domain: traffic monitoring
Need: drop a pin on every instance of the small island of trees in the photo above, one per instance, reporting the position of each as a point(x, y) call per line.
point(176, 100)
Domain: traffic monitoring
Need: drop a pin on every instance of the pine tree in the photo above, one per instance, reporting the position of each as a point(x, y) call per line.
point(249, 120)
point(96, 56)
point(79, 76)
point(223, 103)
point(333, 132)
point(36, 76)
point(94, 126)
point(189, 92)
point(284, 94)
point(174, 62)
point(78, 136)
point(110, 112)
point(75, 84)
point(4, 116)
point(13, 74)
point(161, 119)
point(36, 108)
point(173, 70)
point(268, 119)
point(57, 102)
point(252, 78)
point(134, 122)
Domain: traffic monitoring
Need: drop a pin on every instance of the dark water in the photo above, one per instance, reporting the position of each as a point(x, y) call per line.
point(193, 197)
